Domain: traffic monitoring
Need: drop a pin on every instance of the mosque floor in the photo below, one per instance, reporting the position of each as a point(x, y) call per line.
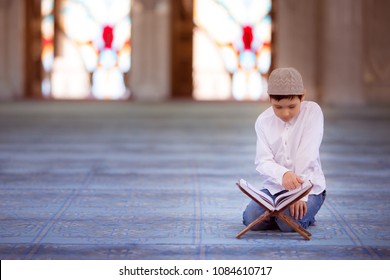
point(127, 180)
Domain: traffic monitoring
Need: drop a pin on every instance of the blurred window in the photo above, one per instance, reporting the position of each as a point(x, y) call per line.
point(85, 48)
point(232, 49)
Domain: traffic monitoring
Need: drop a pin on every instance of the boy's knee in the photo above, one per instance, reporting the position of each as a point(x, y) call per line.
point(248, 217)
point(251, 213)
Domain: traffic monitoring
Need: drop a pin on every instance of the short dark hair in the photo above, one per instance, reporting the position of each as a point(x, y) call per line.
point(278, 97)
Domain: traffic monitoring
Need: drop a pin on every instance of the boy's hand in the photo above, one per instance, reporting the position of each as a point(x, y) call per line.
point(298, 209)
point(291, 181)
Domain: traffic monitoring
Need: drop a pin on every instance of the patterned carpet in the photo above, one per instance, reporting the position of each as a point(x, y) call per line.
point(157, 181)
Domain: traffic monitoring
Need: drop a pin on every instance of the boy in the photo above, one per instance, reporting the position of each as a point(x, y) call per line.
point(289, 135)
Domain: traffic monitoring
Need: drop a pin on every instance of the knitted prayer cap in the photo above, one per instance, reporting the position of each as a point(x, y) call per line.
point(285, 81)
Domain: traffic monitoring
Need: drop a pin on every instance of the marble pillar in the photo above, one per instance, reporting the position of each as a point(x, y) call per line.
point(11, 49)
point(296, 40)
point(4, 79)
point(341, 53)
point(376, 48)
point(149, 78)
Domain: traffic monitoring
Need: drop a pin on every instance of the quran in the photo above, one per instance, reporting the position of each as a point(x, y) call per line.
point(275, 207)
point(283, 199)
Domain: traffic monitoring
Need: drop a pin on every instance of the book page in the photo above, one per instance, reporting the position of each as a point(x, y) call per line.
point(285, 198)
point(258, 195)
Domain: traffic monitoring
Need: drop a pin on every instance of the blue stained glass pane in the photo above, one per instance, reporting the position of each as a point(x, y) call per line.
point(247, 60)
point(108, 58)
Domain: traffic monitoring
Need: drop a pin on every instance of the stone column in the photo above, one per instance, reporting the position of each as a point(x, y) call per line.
point(16, 47)
point(11, 49)
point(4, 83)
point(376, 49)
point(296, 40)
point(150, 65)
point(341, 52)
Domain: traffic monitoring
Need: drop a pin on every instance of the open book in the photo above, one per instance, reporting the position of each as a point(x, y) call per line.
point(280, 201)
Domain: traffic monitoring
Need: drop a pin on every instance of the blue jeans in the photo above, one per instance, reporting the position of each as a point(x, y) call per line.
point(254, 210)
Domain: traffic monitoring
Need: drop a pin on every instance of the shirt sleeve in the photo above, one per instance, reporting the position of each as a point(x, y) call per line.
point(307, 161)
point(264, 161)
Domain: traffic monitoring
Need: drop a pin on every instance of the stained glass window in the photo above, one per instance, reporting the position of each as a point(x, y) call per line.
point(92, 49)
point(232, 49)
point(47, 30)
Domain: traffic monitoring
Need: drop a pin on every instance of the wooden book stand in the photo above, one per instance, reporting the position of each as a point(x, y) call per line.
point(267, 214)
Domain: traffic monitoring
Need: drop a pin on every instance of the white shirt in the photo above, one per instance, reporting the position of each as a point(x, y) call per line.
point(290, 146)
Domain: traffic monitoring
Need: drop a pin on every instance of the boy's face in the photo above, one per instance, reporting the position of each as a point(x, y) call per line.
point(286, 109)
